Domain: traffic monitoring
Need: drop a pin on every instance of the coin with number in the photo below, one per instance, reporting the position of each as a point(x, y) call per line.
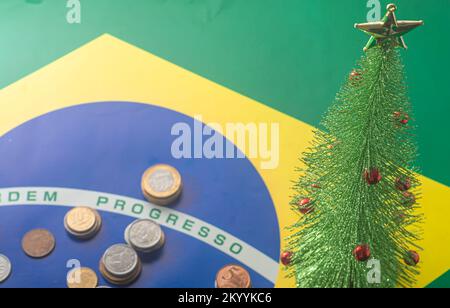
point(233, 277)
point(120, 260)
point(81, 219)
point(38, 243)
point(83, 222)
point(5, 268)
point(82, 278)
point(144, 235)
point(161, 184)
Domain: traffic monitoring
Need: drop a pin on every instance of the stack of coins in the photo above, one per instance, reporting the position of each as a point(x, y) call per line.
point(233, 277)
point(38, 243)
point(161, 184)
point(120, 265)
point(83, 222)
point(5, 268)
point(82, 278)
point(144, 236)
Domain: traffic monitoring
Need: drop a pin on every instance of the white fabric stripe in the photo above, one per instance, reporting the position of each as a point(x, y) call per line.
point(250, 256)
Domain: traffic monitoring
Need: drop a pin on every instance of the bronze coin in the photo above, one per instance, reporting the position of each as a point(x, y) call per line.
point(233, 277)
point(82, 278)
point(38, 243)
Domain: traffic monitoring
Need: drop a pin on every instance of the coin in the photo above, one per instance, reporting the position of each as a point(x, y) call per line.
point(5, 268)
point(120, 260)
point(144, 235)
point(233, 277)
point(83, 222)
point(121, 281)
point(81, 219)
point(82, 278)
point(38, 243)
point(161, 184)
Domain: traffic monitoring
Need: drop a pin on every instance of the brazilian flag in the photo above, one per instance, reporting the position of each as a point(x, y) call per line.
point(93, 92)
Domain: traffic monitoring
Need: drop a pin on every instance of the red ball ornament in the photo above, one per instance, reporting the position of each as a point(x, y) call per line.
point(403, 184)
point(402, 117)
point(372, 176)
point(355, 76)
point(305, 206)
point(412, 258)
point(362, 253)
point(286, 258)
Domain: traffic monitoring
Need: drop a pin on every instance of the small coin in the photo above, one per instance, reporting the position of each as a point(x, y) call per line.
point(120, 260)
point(121, 281)
point(82, 278)
point(161, 184)
point(233, 277)
point(38, 243)
point(5, 268)
point(145, 235)
point(83, 223)
point(81, 219)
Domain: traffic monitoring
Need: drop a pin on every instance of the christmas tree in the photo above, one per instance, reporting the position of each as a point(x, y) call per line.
point(357, 195)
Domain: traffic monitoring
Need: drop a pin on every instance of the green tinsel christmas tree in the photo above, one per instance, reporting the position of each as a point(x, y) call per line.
point(358, 192)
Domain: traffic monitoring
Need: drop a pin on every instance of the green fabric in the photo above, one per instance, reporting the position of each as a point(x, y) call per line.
point(292, 55)
point(441, 282)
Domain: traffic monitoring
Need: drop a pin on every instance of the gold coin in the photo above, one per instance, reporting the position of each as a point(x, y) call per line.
point(161, 183)
point(81, 219)
point(82, 278)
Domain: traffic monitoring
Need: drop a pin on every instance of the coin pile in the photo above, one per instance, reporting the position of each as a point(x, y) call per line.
point(233, 277)
point(120, 265)
point(161, 184)
point(38, 243)
point(83, 222)
point(144, 236)
point(82, 278)
point(5, 268)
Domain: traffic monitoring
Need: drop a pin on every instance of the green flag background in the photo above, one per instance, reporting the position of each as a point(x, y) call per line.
point(291, 55)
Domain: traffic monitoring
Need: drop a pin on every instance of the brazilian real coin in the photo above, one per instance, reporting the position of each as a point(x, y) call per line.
point(120, 264)
point(5, 268)
point(233, 277)
point(38, 243)
point(82, 278)
point(144, 236)
point(82, 222)
point(161, 184)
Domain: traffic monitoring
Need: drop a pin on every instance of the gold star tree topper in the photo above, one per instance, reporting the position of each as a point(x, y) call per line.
point(388, 28)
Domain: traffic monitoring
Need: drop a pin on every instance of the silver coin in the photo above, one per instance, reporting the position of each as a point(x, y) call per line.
point(120, 260)
point(5, 268)
point(127, 234)
point(161, 181)
point(145, 235)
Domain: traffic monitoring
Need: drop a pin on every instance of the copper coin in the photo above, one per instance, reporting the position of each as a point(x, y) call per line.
point(233, 277)
point(38, 243)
